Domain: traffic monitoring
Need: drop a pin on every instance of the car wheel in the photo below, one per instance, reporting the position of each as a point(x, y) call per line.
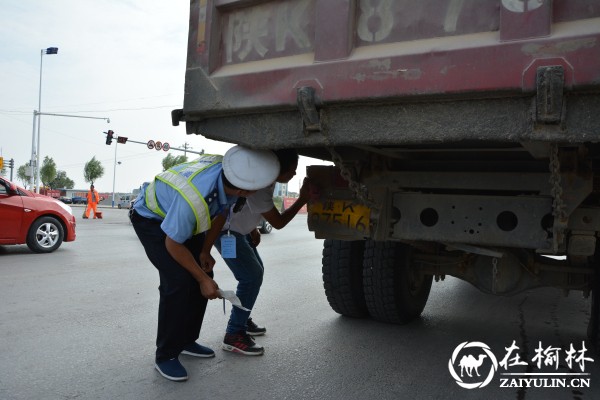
point(266, 227)
point(45, 235)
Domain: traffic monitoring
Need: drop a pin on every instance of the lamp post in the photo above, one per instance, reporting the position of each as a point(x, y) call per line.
point(35, 155)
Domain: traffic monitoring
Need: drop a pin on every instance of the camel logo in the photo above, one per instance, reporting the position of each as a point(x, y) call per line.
point(470, 365)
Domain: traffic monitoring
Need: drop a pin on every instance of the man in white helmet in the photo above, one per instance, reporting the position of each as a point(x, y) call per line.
point(247, 265)
point(177, 218)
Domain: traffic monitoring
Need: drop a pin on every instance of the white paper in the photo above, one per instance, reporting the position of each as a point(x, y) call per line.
point(230, 296)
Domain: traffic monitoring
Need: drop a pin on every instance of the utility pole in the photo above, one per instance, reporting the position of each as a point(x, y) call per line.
point(185, 147)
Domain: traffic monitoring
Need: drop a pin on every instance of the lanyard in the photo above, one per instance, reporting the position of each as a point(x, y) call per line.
point(228, 221)
point(228, 245)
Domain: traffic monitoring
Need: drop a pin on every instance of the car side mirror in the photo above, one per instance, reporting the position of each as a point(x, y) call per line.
point(12, 189)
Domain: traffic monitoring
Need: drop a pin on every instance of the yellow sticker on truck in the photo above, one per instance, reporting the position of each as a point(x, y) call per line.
point(340, 213)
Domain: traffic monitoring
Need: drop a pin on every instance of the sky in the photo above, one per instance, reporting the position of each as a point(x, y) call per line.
point(118, 59)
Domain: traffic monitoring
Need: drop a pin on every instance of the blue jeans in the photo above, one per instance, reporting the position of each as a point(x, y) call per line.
point(248, 270)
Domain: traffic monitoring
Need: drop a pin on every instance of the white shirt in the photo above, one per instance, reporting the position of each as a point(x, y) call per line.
point(249, 217)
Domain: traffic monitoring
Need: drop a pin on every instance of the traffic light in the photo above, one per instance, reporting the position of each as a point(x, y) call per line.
point(11, 163)
point(122, 140)
point(109, 137)
point(1, 162)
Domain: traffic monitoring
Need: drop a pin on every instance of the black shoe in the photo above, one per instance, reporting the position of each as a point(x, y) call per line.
point(172, 370)
point(254, 330)
point(241, 343)
point(197, 350)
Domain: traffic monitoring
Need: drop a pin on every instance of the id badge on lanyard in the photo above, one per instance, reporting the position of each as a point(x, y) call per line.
point(228, 241)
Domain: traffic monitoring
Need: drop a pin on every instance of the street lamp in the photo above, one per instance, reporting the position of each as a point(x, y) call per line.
point(35, 157)
point(115, 175)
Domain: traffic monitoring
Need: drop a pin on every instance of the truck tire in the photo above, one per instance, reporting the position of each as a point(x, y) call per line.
point(394, 293)
point(342, 277)
point(45, 235)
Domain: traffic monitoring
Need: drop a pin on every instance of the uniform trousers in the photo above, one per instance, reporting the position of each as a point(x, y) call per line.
point(91, 207)
point(181, 307)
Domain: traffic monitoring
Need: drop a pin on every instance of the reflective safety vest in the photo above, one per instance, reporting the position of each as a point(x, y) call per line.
point(180, 178)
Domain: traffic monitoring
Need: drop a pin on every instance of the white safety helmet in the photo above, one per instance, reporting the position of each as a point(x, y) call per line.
point(250, 169)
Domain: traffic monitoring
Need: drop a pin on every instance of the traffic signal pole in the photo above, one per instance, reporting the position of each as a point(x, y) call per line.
point(11, 165)
point(114, 175)
point(110, 136)
point(170, 148)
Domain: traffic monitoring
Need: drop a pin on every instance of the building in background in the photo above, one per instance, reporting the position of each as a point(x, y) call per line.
point(281, 189)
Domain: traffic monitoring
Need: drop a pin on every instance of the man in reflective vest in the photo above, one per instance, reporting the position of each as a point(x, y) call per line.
point(177, 218)
point(93, 198)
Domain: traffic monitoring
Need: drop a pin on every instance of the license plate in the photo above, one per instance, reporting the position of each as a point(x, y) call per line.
point(340, 214)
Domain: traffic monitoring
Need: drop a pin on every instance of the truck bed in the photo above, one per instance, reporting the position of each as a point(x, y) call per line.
point(314, 73)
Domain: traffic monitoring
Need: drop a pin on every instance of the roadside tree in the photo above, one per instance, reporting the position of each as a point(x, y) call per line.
point(170, 161)
point(48, 171)
point(93, 170)
point(22, 174)
point(62, 181)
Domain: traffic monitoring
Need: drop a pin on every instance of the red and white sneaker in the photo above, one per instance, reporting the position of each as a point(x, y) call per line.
point(241, 343)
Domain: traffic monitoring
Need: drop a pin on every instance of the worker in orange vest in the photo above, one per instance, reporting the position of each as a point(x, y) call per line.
point(92, 202)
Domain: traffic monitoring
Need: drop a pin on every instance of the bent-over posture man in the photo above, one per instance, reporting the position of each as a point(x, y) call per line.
point(177, 218)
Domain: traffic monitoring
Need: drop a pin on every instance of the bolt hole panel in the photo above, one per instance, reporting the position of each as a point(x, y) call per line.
point(429, 217)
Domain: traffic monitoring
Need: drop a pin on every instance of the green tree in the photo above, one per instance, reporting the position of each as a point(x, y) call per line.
point(170, 161)
point(62, 181)
point(22, 174)
point(93, 170)
point(48, 171)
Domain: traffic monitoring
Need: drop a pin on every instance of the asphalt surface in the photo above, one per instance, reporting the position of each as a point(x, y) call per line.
point(80, 323)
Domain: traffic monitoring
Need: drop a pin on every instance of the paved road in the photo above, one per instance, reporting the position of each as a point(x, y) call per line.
point(80, 324)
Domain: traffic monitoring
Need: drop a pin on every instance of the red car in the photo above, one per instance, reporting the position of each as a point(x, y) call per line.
point(41, 222)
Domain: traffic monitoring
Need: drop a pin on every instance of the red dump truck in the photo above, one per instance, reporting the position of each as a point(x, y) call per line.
point(465, 136)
